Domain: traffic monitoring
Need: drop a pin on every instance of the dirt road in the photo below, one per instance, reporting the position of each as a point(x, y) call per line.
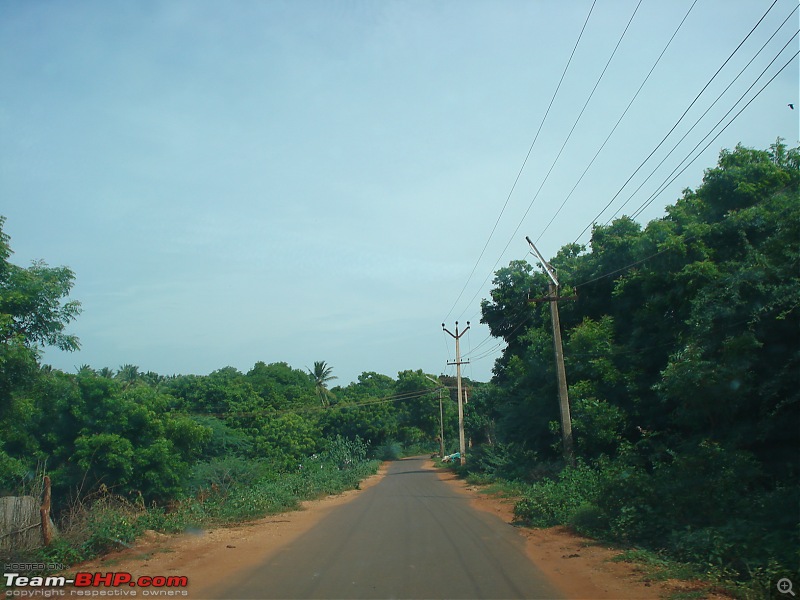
point(410, 532)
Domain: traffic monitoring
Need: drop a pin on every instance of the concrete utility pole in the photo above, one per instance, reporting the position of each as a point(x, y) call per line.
point(461, 444)
point(441, 426)
point(553, 298)
point(441, 416)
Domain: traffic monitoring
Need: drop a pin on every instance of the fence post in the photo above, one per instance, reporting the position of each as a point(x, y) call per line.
point(44, 513)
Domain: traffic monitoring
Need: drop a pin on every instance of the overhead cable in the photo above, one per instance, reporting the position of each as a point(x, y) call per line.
point(685, 135)
point(613, 129)
point(525, 161)
point(713, 77)
point(560, 152)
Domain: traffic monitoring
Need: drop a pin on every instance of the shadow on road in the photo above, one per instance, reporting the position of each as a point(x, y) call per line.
point(416, 472)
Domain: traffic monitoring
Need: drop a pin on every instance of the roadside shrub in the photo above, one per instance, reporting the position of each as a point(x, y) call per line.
point(389, 451)
point(345, 453)
point(226, 472)
point(588, 519)
point(705, 505)
point(507, 461)
point(701, 486)
point(553, 502)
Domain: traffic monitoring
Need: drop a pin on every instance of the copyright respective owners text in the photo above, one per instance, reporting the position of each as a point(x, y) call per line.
point(27, 582)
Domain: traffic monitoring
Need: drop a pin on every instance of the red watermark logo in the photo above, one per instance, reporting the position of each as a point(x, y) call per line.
point(95, 584)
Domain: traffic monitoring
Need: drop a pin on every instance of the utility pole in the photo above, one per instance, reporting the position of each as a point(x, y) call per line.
point(458, 362)
point(441, 426)
point(563, 397)
point(441, 416)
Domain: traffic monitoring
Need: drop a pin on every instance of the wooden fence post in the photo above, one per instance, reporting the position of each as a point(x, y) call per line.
point(44, 513)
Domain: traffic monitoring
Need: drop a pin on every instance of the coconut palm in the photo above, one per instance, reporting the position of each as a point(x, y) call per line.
point(106, 372)
point(128, 374)
point(321, 376)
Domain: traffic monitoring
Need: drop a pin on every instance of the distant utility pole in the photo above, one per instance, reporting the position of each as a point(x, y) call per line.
point(458, 362)
point(441, 416)
point(553, 298)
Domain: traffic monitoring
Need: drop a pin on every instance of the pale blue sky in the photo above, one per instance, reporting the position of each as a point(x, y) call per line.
point(298, 181)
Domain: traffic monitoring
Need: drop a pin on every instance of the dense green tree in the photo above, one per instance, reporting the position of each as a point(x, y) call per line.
point(417, 407)
point(95, 431)
point(281, 386)
point(33, 314)
point(364, 409)
point(683, 367)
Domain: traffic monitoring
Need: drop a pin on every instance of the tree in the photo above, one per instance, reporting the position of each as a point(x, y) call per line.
point(321, 376)
point(33, 314)
point(281, 386)
point(31, 308)
point(683, 366)
point(128, 374)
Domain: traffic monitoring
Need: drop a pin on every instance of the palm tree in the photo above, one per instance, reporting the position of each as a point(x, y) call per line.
point(321, 376)
point(106, 372)
point(128, 374)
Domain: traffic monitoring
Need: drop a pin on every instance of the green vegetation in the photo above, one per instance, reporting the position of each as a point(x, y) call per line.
point(108, 521)
point(128, 450)
point(683, 364)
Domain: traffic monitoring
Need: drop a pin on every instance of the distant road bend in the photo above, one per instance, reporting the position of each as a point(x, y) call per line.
point(409, 536)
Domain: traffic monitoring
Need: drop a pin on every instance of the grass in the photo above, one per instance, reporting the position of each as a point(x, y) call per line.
point(656, 567)
point(505, 489)
point(110, 522)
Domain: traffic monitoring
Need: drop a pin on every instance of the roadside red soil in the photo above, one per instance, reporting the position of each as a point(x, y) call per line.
point(580, 567)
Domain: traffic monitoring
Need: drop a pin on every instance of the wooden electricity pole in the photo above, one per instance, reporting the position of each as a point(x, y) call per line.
point(563, 397)
point(441, 416)
point(458, 362)
point(441, 426)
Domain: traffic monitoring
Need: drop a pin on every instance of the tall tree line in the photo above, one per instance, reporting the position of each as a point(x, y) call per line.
point(682, 355)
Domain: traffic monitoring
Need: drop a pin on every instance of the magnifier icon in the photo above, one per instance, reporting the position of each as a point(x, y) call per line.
point(785, 586)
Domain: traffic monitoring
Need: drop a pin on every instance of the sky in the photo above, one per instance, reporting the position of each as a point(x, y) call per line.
point(257, 180)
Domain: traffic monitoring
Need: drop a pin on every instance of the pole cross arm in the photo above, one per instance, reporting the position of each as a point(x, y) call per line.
point(552, 298)
point(548, 268)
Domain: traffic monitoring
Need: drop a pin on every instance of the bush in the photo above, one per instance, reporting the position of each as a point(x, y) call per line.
point(553, 502)
point(705, 505)
point(507, 461)
point(224, 473)
point(345, 453)
point(389, 451)
point(703, 485)
point(589, 519)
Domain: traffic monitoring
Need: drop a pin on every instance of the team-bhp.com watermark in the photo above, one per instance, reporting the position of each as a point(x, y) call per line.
point(114, 584)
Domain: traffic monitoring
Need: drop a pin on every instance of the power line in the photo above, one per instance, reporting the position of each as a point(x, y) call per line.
point(560, 152)
point(474, 351)
point(685, 135)
point(525, 161)
point(677, 122)
point(661, 188)
point(613, 129)
point(684, 238)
